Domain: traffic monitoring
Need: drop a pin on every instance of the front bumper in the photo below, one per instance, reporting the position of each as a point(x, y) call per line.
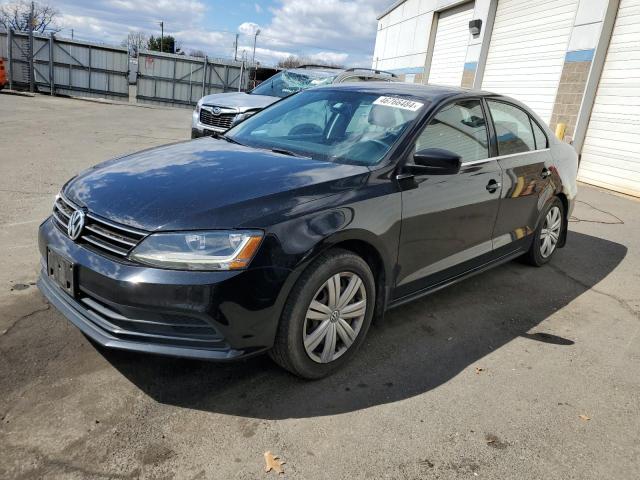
point(204, 315)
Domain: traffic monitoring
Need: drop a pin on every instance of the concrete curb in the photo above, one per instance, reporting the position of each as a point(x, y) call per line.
point(105, 101)
point(17, 93)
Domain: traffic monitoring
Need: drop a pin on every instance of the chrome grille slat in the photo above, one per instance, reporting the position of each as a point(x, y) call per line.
point(62, 222)
point(224, 120)
point(63, 209)
point(104, 245)
point(101, 233)
point(111, 236)
point(133, 231)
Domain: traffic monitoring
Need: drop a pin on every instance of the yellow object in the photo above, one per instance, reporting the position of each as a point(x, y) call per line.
point(560, 129)
point(273, 462)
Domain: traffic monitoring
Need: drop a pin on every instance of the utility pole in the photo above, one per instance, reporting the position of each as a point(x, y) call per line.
point(255, 39)
point(72, 34)
point(161, 35)
point(31, 72)
point(235, 46)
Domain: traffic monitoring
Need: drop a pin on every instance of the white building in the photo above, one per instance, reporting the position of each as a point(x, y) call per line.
point(575, 62)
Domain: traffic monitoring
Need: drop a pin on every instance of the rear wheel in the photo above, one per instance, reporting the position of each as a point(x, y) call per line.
point(326, 316)
point(548, 234)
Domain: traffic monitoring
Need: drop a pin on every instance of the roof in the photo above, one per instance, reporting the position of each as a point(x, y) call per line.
point(425, 92)
point(390, 8)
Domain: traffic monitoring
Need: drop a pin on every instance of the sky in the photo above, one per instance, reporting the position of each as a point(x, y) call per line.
point(339, 31)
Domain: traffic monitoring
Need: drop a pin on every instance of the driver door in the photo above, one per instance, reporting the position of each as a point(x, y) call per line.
point(448, 220)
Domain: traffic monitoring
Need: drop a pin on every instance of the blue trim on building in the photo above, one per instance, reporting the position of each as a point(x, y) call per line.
point(579, 56)
point(471, 65)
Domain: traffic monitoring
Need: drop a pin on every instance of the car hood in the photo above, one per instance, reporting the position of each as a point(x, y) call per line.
point(206, 183)
point(240, 100)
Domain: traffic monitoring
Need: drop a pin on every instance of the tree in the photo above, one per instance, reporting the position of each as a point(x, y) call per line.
point(15, 16)
point(197, 53)
point(169, 44)
point(135, 42)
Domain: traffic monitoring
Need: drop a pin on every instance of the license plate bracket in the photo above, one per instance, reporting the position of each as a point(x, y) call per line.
point(61, 271)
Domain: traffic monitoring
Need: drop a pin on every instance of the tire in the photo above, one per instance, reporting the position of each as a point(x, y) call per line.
point(301, 340)
point(540, 252)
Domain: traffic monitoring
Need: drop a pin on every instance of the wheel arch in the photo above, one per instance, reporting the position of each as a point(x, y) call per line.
point(365, 244)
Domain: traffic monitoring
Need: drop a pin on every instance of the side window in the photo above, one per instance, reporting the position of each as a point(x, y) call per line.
point(460, 128)
point(513, 128)
point(541, 138)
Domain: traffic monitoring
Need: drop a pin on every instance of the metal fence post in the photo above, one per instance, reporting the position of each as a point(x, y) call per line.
point(52, 84)
point(240, 77)
point(173, 81)
point(204, 75)
point(10, 54)
point(89, 79)
point(190, 84)
point(32, 71)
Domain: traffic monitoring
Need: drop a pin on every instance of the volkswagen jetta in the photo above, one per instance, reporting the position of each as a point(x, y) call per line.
point(302, 224)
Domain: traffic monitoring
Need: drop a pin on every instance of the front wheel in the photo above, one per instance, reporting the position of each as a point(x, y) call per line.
point(326, 316)
point(547, 235)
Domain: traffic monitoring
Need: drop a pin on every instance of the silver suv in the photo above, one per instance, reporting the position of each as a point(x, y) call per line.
point(218, 112)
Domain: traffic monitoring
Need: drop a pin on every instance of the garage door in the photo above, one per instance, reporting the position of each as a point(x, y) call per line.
point(611, 151)
point(527, 50)
point(450, 47)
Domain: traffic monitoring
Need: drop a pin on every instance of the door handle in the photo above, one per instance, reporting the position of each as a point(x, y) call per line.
point(545, 173)
point(492, 186)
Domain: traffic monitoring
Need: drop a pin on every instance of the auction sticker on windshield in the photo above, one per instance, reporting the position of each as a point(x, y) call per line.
point(402, 103)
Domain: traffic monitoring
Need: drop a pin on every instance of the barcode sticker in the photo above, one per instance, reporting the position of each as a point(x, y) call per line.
point(402, 103)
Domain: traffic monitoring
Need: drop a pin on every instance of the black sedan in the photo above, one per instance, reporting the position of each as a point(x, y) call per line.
point(302, 224)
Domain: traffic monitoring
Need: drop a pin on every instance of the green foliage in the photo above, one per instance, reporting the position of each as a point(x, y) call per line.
point(169, 44)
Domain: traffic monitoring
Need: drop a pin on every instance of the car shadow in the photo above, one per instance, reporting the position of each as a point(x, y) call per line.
point(418, 347)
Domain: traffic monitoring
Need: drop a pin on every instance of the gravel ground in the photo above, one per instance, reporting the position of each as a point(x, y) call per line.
point(516, 373)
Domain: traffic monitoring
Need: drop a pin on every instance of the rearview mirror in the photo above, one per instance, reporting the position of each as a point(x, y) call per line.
point(435, 161)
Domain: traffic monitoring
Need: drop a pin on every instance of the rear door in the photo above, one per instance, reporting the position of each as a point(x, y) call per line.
point(525, 159)
point(448, 220)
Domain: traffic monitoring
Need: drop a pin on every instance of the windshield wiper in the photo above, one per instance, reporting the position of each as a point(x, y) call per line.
point(224, 137)
point(288, 152)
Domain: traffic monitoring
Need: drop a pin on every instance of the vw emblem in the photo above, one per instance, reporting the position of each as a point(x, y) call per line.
point(75, 225)
point(216, 111)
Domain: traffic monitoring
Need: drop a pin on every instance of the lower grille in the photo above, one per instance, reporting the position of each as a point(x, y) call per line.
point(99, 233)
point(223, 120)
point(154, 328)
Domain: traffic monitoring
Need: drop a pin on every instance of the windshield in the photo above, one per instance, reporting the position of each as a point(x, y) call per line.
point(287, 82)
point(341, 126)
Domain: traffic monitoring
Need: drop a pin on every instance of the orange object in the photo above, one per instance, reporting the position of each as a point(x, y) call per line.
point(3, 74)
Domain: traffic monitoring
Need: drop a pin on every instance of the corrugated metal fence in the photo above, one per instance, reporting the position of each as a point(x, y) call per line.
point(78, 68)
point(183, 80)
point(95, 70)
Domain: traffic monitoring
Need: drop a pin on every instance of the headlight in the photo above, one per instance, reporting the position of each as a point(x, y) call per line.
point(212, 250)
point(242, 117)
point(198, 105)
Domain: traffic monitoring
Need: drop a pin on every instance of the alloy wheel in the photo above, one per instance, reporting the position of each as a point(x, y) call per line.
point(550, 233)
point(334, 317)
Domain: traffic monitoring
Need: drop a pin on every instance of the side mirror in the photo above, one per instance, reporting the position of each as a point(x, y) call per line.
point(435, 161)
